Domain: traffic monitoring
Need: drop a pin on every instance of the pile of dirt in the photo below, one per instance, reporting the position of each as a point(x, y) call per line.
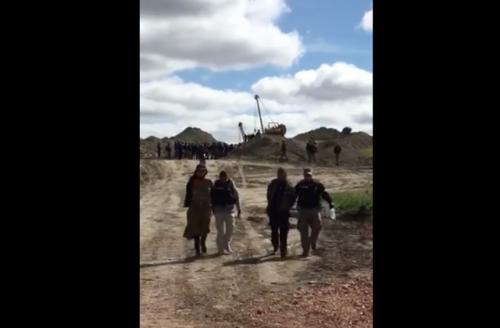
point(319, 134)
point(268, 148)
point(357, 148)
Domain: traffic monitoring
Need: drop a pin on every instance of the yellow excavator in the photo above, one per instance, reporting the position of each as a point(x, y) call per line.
point(273, 128)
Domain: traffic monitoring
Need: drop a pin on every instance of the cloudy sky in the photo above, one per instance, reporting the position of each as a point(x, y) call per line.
point(203, 60)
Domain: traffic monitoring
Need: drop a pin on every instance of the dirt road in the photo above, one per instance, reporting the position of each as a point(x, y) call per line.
point(179, 290)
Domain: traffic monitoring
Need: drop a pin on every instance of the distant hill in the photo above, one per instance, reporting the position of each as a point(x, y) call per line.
point(148, 146)
point(194, 135)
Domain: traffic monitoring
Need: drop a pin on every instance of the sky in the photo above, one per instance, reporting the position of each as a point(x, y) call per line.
point(202, 61)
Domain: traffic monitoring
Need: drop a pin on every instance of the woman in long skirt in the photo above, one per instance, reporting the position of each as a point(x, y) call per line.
point(198, 202)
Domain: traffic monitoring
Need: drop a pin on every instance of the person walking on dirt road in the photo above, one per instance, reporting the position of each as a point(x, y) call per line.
point(309, 192)
point(280, 199)
point(224, 198)
point(337, 150)
point(198, 201)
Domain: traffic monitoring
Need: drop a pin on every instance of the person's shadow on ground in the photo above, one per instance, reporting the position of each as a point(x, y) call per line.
point(261, 259)
point(185, 260)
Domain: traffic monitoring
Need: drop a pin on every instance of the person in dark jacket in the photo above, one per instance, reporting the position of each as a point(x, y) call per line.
point(168, 149)
point(158, 149)
point(309, 193)
point(224, 199)
point(283, 156)
point(337, 150)
point(280, 199)
point(198, 201)
point(311, 149)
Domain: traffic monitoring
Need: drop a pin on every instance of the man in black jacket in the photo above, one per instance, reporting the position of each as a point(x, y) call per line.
point(158, 149)
point(224, 197)
point(280, 198)
point(309, 193)
point(337, 150)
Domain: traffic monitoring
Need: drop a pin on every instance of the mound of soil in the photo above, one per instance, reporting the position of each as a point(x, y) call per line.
point(356, 149)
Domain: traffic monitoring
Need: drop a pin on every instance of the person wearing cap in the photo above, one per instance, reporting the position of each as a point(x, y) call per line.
point(199, 203)
point(224, 198)
point(309, 193)
point(280, 199)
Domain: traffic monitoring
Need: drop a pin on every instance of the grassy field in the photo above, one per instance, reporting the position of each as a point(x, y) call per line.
point(353, 200)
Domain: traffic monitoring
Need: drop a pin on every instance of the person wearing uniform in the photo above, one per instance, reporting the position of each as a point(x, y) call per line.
point(309, 192)
point(198, 201)
point(337, 151)
point(224, 198)
point(280, 199)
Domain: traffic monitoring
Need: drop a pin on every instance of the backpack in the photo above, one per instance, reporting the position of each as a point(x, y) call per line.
point(223, 193)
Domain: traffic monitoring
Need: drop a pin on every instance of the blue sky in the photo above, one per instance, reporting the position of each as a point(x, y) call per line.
point(329, 31)
point(203, 60)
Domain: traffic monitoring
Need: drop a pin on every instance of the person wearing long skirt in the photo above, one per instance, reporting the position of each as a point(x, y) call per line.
point(198, 201)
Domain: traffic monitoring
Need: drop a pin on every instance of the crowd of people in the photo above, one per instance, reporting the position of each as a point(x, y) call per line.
point(220, 198)
point(217, 150)
point(199, 151)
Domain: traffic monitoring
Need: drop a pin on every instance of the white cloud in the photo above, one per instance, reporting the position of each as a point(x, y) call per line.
point(367, 21)
point(220, 34)
point(239, 34)
point(336, 82)
point(334, 95)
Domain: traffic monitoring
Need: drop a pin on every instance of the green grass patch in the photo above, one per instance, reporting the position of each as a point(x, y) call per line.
point(352, 200)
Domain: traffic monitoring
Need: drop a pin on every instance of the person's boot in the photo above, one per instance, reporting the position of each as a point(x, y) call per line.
point(313, 246)
point(197, 245)
point(203, 246)
point(283, 252)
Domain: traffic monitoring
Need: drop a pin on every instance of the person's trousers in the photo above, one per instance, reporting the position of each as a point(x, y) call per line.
point(309, 220)
point(224, 222)
point(280, 226)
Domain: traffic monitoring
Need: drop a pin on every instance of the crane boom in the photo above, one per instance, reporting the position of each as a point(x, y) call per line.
point(260, 115)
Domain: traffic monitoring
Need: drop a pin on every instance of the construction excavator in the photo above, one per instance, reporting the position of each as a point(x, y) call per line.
point(246, 137)
point(273, 128)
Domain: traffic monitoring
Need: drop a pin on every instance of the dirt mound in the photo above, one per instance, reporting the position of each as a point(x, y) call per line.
point(319, 134)
point(268, 148)
point(357, 149)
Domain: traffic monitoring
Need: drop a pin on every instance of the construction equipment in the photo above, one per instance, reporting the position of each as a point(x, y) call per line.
point(346, 130)
point(273, 128)
point(246, 137)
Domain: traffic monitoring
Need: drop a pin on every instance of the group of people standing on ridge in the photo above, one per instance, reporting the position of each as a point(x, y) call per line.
point(184, 150)
point(204, 197)
point(311, 150)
